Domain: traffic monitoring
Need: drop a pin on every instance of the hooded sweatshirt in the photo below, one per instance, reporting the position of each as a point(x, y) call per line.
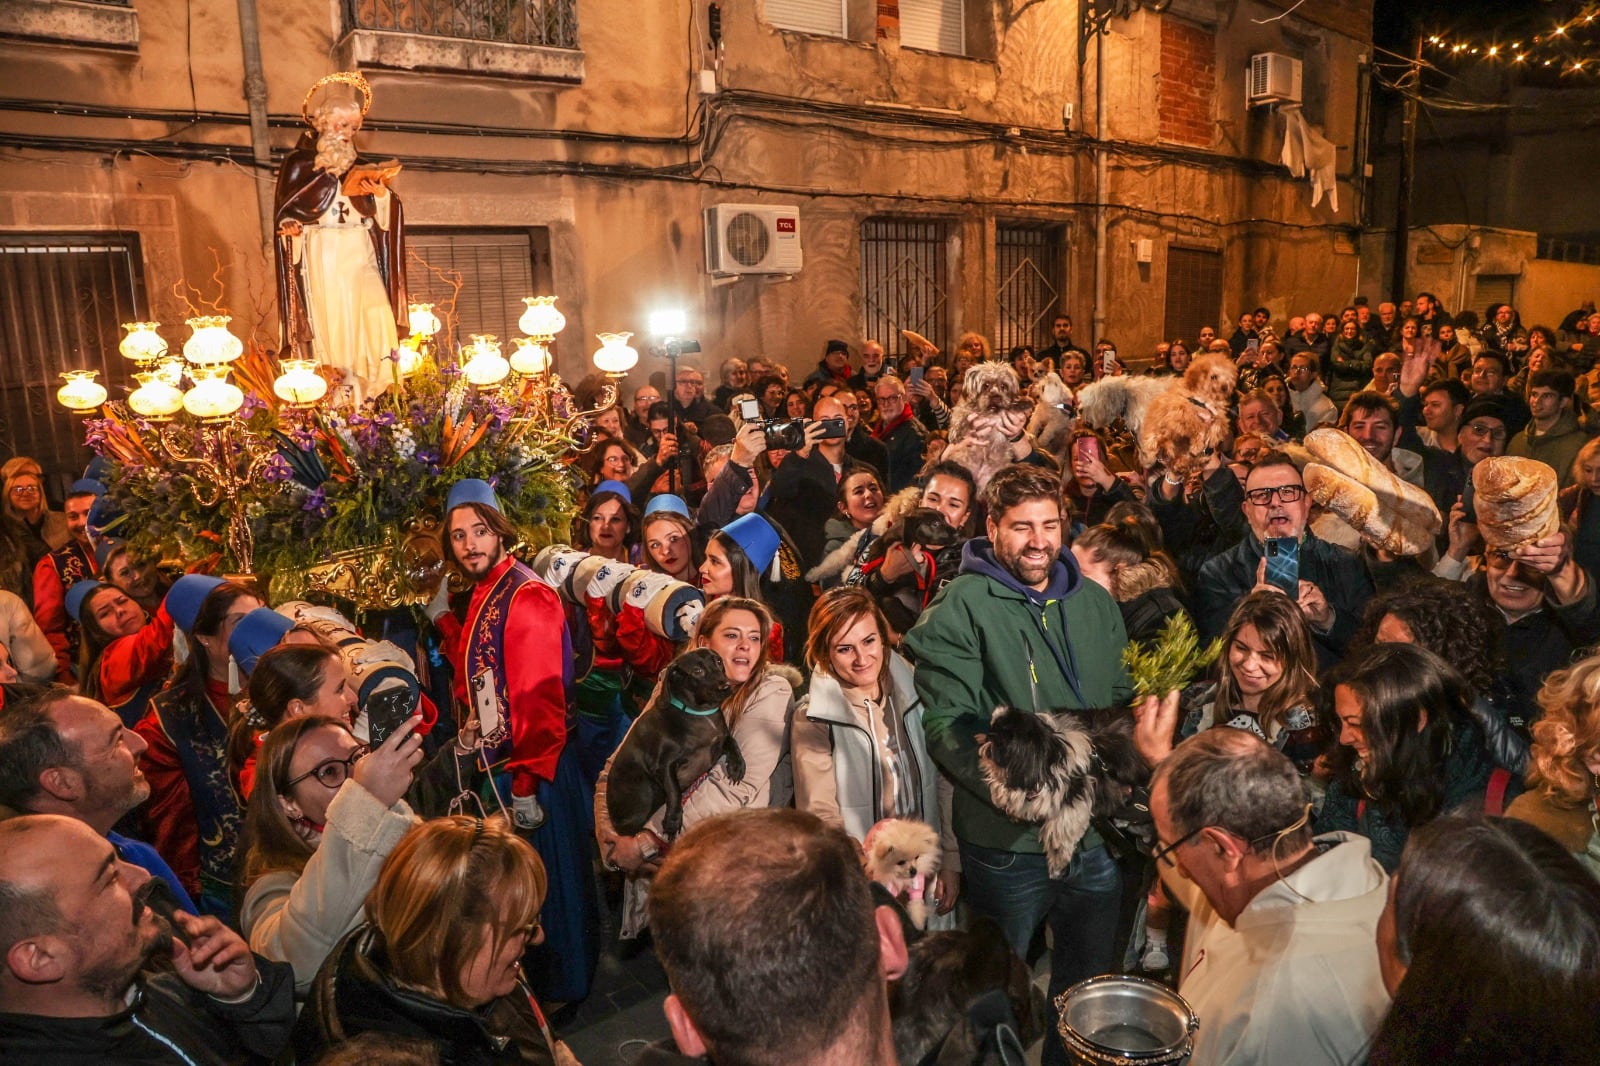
point(986, 641)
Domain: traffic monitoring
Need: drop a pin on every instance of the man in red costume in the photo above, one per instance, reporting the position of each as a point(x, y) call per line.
point(515, 660)
point(341, 243)
point(59, 571)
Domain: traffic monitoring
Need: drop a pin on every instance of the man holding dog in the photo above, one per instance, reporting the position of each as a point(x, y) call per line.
point(1021, 627)
point(514, 669)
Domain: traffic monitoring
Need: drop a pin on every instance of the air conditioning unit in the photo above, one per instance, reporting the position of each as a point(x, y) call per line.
point(752, 239)
point(1274, 79)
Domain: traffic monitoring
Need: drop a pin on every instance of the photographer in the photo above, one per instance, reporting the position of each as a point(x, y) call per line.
point(806, 483)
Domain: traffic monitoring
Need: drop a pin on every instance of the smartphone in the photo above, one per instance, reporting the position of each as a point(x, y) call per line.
point(486, 704)
point(916, 376)
point(1469, 496)
point(1253, 344)
point(1084, 448)
point(832, 428)
point(386, 712)
point(750, 410)
point(1108, 362)
point(1283, 564)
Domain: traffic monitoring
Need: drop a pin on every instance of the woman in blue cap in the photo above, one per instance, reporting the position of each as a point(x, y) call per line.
point(194, 812)
point(609, 526)
point(749, 557)
point(669, 539)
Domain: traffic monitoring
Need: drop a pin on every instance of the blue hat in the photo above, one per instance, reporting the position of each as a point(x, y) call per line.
point(104, 514)
point(471, 490)
point(756, 538)
point(617, 487)
point(255, 634)
point(186, 596)
point(98, 468)
point(666, 501)
point(77, 594)
point(86, 486)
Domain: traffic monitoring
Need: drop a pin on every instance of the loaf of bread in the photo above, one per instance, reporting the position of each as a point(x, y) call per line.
point(1387, 511)
point(1516, 501)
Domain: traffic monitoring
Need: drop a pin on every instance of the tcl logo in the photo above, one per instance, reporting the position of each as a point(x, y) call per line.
point(786, 225)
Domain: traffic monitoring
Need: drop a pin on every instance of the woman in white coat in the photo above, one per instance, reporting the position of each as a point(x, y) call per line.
point(856, 741)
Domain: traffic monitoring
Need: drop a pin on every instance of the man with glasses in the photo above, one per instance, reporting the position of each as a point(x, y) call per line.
point(70, 755)
point(1331, 586)
point(22, 486)
point(1280, 962)
point(636, 426)
point(1490, 369)
point(859, 443)
point(689, 403)
point(1484, 431)
point(899, 432)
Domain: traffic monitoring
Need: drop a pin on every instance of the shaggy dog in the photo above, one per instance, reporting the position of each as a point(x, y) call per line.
point(1105, 402)
point(904, 857)
point(679, 736)
point(992, 411)
point(1054, 409)
point(963, 990)
point(1184, 425)
point(1059, 770)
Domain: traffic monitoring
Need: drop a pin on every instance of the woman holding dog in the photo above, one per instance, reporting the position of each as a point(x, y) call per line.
point(738, 630)
point(857, 741)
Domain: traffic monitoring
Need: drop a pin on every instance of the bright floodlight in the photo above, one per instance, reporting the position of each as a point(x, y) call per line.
point(668, 323)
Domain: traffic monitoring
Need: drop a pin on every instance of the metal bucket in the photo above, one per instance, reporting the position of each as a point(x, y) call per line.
point(1122, 1020)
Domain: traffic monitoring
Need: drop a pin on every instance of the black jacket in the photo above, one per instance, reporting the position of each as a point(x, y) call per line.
point(353, 994)
point(168, 1023)
point(802, 497)
point(864, 449)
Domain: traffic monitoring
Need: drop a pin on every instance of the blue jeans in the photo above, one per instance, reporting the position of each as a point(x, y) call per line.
point(1083, 906)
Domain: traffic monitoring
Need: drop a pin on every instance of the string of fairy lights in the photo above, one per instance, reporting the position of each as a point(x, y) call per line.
point(1570, 47)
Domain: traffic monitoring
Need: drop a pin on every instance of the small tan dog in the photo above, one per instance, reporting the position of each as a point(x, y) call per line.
point(1187, 422)
point(992, 411)
point(904, 857)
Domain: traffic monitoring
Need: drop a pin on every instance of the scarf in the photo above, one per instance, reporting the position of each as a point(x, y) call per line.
point(886, 428)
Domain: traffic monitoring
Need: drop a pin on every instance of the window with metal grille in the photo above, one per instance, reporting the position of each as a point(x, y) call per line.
point(905, 282)
point(1031, 265)
point(552, 23)
point(496, 269)
point(1194, 292)
point(808, 16)
point(1491, 289)
point(65, 297)
point(934, 25)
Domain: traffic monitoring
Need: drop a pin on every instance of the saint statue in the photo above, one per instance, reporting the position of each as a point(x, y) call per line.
point(340, 243)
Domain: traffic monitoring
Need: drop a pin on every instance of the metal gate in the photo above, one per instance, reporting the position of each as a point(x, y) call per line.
point(1030, 262)
point(1194, 292)
point(904, 282)
point(64, 299)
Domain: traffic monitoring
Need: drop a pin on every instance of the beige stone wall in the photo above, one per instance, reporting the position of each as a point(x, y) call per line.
point(623, 245)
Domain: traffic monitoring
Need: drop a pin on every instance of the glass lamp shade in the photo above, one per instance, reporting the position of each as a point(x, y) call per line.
point(142, 344)
point(213, 395)
point(300, 384)
point(212, 343)
point(81, 392)
point(408, 358)
point(530, 358)
point(541, 320)
point(484, 366)
point(155, 397)
point(615, 357)
point(422, 320)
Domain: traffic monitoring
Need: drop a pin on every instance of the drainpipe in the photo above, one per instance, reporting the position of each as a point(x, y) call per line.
point(1100, 247)
point(255, 94)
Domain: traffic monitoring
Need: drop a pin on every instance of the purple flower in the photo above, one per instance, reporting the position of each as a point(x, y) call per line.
point(317, 503)
point(276, 471)
point(252, 404)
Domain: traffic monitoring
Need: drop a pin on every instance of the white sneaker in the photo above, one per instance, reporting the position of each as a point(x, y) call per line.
point(1155, 958)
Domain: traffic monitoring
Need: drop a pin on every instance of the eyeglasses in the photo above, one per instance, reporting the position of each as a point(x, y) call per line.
point(1483, 430)
point(25, 490)
point(1287, 493)
point(1161, 854)
point(333, 772)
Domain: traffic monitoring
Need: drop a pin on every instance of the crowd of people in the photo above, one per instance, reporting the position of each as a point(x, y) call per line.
point(1369, 830)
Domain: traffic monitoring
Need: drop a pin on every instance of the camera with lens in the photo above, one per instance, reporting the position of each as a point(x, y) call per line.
point(790, 433)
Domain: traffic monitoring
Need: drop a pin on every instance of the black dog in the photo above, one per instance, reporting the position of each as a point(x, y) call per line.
point(1060, 770)
point(961, 994)
point(678, 737)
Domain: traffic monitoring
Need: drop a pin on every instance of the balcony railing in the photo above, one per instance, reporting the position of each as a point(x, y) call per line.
point(549, 23)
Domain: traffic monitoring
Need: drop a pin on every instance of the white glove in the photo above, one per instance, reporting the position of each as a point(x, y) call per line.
point(526, 812)
point(439, 606)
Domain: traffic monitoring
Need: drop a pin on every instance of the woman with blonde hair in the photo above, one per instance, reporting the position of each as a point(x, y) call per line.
point(439, 961)
point(1564, 761)
point(757, 712)
point(857, 742)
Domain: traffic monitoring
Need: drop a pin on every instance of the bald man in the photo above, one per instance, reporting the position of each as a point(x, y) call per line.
point(76, 932)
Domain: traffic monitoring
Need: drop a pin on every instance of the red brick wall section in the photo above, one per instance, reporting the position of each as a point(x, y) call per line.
point(1188, 83)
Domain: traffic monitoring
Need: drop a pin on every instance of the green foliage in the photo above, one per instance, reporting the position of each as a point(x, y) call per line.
point(1171, 662)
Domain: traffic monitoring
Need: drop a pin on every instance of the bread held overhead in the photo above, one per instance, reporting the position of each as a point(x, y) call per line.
point(1387, 511)
point(1515, 500)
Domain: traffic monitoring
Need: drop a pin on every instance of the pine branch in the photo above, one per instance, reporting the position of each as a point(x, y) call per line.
point(1171, 662)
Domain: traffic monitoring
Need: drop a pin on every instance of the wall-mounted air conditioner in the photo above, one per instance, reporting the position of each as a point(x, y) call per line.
point(752, 239)
point(1274, 79)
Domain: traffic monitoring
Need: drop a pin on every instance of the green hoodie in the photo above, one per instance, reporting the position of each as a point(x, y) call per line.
point(1557, 448)
point(975, 646)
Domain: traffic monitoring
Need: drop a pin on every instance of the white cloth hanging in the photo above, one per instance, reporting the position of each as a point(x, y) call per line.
point(1307, 152)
